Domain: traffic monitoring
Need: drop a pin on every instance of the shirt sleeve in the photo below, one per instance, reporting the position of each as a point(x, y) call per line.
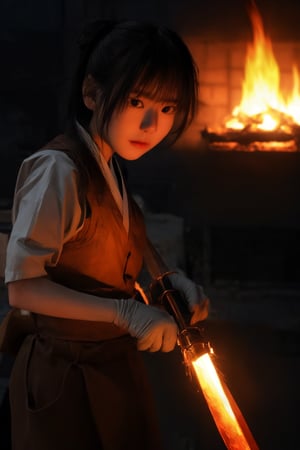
point(46, 213)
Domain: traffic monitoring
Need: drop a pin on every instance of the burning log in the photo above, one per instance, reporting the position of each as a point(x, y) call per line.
point(245, 137)
point(259, 140)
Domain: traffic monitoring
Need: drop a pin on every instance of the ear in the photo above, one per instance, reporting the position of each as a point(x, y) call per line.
point(89, 92)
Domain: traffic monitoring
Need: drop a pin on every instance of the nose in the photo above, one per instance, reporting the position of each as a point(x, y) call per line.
point(149, 121)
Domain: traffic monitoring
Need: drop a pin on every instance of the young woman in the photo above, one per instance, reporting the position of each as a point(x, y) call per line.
point(77, 243)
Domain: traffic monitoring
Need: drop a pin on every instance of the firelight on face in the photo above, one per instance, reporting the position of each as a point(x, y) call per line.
point(140, 125)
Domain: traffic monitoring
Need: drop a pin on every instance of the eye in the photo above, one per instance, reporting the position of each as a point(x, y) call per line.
point(169, 109)
point(135, 102)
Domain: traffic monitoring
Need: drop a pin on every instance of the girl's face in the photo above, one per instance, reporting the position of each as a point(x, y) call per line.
point(139, 126)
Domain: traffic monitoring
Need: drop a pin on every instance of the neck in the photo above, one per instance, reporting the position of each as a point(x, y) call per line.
point(103, 147)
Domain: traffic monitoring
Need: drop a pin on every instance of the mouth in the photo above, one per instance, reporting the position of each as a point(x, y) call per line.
point(139, 144)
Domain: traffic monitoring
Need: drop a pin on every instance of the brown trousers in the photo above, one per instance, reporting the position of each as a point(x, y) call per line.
point(68, 395)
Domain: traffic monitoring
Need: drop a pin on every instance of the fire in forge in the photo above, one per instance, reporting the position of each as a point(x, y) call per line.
point(266, 119)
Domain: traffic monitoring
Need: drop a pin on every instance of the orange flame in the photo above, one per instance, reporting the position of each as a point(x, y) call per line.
point(224, 410)
point(263, 107)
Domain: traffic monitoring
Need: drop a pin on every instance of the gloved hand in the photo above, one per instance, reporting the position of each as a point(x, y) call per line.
point(154, 328)
point(193, 293)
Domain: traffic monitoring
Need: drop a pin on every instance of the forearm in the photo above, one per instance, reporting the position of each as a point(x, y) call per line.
point(43, 296)
point(154, 329)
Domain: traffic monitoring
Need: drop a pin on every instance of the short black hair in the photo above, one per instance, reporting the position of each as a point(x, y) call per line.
point(128, 56)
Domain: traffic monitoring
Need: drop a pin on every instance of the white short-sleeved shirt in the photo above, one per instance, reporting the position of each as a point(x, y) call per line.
point(46, 213)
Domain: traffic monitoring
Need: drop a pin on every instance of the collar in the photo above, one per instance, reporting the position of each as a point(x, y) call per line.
point(109, 172)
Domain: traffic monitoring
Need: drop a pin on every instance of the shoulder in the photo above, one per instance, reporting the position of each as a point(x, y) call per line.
point(49, 156)
point(56, 152)
point(47, 161)
point(44, 172)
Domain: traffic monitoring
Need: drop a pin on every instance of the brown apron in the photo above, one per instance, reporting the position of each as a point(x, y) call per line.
point(81, 395)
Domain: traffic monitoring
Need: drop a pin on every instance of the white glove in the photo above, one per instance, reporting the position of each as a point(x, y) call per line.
point(194, 295)
point(154, 328)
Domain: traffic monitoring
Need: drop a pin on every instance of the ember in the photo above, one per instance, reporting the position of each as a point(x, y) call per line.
point(265, 119)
